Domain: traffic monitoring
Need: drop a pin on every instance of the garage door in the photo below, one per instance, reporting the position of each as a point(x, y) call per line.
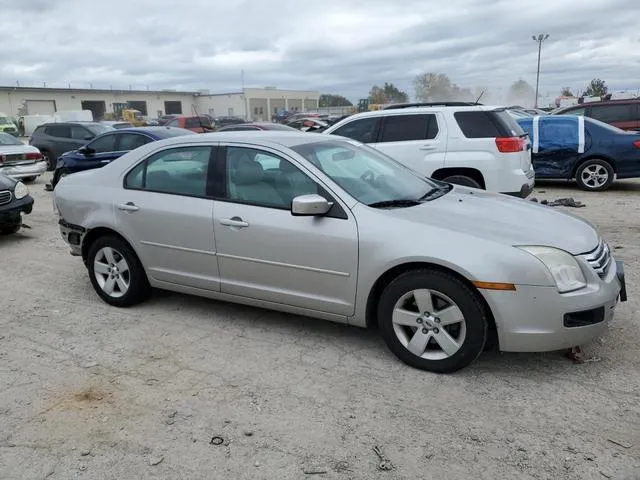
point(41, 107)
point(97, 108)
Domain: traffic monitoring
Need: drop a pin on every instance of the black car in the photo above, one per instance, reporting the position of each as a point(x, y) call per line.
point(224, 121)
point(14, 202)
point(54, 139)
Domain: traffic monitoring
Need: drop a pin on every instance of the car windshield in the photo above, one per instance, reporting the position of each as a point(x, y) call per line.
point(6, 139)
point(97, 128)
point(4, 121)
point(366, 174)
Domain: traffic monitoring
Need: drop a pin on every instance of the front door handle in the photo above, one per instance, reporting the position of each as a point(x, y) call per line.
point(128, 207)
point(234, 222)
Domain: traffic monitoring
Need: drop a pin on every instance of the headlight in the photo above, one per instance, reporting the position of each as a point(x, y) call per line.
point(20, 191)
point(564, 269)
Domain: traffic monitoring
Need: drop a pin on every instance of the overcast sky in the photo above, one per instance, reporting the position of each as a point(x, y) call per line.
point(336, 46)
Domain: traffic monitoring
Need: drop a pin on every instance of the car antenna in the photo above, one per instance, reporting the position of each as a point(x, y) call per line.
point(479, 97)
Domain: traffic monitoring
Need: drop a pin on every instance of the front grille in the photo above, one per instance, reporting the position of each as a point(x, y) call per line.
point(599, 259)
point(5, 197)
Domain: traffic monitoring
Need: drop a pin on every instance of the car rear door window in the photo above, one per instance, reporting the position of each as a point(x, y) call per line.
point(177, 171)
point(613, 113)
point(80, 133)
point(131, 141)
point(363, 130)
point(404, 128)
point(103, 144)
point(59, 131)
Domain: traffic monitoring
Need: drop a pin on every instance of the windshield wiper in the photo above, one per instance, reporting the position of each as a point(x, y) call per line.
point(440, 189)
point(401, 202)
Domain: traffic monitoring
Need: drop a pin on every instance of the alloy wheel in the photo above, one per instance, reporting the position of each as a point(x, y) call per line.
point(112, 272)
point(429, 324)
point(594, 176)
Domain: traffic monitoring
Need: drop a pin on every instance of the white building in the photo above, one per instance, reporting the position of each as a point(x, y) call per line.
point(251, 103)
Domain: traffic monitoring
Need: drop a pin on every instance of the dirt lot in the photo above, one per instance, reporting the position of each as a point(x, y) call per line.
point(92, 392)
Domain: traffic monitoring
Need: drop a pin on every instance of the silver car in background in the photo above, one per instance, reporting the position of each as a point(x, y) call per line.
point(330, 228)
point(20, 161)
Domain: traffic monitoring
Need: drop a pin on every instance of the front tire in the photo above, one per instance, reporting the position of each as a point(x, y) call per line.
point(433, 321)
point(463, 180)
point(595, 175)
point(115, 272)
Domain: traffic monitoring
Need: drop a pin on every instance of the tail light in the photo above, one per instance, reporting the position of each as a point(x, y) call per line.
point(2, 159)
point(636, 144)
point(510, 144)
point(33, 156)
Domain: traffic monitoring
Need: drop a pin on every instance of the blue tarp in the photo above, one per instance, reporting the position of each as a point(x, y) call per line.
point(554, 132)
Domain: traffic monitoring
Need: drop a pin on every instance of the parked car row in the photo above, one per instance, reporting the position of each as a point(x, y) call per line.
point(324, 226)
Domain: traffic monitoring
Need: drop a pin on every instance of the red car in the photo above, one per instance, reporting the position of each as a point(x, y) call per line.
point(624, 114)
point(199, 124)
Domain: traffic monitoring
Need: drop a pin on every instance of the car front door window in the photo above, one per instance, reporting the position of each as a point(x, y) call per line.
point(103, 144)
point(263, 179)
point(364, 130)
point(131, 141)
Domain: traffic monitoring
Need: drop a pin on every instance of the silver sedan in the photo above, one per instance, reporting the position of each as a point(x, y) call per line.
point(333, 229)
point(20, 161)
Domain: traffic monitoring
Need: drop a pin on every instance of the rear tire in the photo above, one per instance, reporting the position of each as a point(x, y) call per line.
point(29, 179)
point(116, 273)
point(595, 175)
point(450, 336)
point(463, 180)
point(48, 157)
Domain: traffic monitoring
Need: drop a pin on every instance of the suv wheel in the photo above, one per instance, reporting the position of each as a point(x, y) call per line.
point(594, 175)
point(48, 157)
point(462, 180)
point(116, 273)
point(432, 321)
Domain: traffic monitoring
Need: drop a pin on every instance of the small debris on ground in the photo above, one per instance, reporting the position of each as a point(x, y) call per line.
point(342, 466)
point(314, 470)
point(576, 354)
point(593, 360)
point(385, 464)
point(82, 468)
point(84, 453)
point(216, 440)
point(153, 461)
point(152, 381)
point(560, 202)
point(90, 364)
point(604, 474)
point(248, 433)
point(620, 444)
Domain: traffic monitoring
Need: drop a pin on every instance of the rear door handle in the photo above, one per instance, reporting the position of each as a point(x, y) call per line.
point(428, 147)
point(128, 207)
point(234, 222)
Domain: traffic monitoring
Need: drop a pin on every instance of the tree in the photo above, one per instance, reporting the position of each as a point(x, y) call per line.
point(437, 87)
point(566, 92)
point(596, 88)
point(331, 100)
point(521, 93)
point(389, 93)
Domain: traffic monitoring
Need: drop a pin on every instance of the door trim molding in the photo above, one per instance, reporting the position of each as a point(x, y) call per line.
point(174, 247)
point(286, 265)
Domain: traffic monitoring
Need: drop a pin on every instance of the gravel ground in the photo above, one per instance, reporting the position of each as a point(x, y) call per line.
point(92, 392)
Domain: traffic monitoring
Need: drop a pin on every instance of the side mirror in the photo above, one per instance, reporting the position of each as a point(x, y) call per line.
point(89, 137)
point(310, 205)
point(86, 151)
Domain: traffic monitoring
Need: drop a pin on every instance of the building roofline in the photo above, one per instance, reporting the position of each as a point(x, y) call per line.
point(92, 90)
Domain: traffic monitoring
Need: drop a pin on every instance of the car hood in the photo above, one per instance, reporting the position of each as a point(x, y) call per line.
point(6, 183)
point(14, 149)
point(504, 219)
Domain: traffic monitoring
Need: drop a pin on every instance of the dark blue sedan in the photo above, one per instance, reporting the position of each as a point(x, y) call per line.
point(111, 145)
point(587, 150)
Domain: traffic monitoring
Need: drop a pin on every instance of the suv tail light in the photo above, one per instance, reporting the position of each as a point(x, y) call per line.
point(636, 144)
point(510, 144)
point(33, 156)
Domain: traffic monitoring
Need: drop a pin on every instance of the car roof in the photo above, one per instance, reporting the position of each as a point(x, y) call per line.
point(156, 131)
point(411, 110)
point(74, 122)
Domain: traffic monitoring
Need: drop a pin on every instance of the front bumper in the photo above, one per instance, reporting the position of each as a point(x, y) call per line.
point(11, 214)
point(539, 319)
point(25, 170)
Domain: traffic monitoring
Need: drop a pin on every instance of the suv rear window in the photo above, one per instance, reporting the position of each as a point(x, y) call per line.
point(60, 131)
point(480, 124)
point(404, 128)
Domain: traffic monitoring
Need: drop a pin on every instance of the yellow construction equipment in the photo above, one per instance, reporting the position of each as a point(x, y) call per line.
point(134, 117)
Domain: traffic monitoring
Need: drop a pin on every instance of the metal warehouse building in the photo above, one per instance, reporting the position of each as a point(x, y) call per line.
point(250, 103)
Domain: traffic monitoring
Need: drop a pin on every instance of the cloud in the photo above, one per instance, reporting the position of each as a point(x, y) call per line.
point(338, 46)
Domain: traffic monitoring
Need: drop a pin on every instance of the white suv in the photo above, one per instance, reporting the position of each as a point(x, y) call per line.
point(466, 144)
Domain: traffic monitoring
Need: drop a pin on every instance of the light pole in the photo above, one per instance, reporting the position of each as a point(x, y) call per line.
point(540, 38)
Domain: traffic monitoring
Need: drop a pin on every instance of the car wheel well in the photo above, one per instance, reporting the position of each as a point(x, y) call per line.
point(594, 157)
point(96, 233)
point(387, 277)
point(443, 173)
